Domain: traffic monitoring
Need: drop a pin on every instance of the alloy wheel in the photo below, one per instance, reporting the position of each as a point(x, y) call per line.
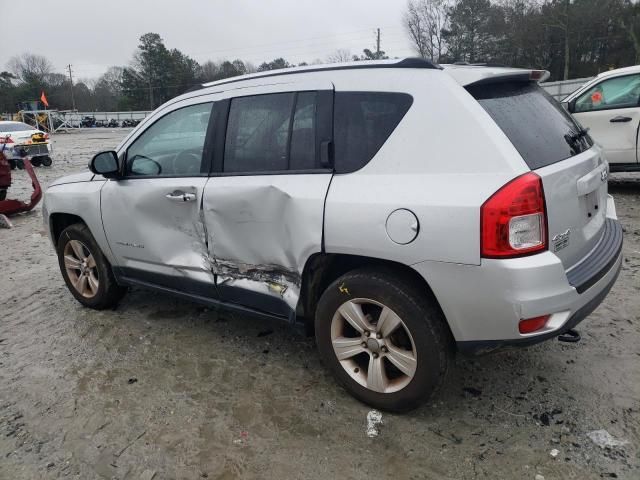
point(81, 268)
point(373, 345)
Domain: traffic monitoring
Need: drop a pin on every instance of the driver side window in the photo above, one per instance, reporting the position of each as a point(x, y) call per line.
point(173, 145)
point(618, 92)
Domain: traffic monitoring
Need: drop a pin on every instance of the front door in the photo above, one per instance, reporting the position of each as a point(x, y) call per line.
point(610, 111)
point(264, 206)
point(152, 216)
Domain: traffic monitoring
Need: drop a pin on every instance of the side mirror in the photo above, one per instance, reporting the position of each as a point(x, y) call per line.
point(105, 164)
point(571, 106)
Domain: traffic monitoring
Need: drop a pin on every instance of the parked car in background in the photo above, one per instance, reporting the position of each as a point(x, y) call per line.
point(19, 137)
point(397, 209)
point(609, 107)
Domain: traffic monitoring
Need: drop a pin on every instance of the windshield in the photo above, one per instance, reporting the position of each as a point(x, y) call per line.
point(540, 129)
point(14, 127)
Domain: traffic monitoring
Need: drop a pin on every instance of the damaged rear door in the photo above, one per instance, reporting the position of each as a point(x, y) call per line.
point(264, 203)
point(151, 216)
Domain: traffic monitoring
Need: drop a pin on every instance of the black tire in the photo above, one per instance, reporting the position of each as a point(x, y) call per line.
point(20, 164)
point(12, 164)
point(3, 194)
point(108, 292)
point(47, 161)
point(36, 162)
point(422, 318)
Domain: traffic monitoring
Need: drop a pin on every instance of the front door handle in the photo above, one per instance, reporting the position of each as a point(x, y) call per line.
point(180, 196)
point(620, 119)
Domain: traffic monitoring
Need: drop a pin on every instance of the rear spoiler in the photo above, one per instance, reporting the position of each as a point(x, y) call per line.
point(468, 75)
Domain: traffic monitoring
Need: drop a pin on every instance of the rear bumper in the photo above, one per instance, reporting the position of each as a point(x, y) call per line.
point(484, 304)
point(486, 346)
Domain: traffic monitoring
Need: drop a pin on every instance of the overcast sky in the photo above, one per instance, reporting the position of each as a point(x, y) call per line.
point(95, 34)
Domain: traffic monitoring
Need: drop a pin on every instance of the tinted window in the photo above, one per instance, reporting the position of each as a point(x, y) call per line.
point(258, 133)
point(619, 92)
point(362, 123)
point(538, 127)
point(303, 134)
point(173, 145)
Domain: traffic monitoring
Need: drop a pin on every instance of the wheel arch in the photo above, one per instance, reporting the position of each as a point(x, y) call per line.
point(59, 221)
point(323, 268)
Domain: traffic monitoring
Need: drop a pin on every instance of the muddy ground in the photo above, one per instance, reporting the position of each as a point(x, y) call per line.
point(167, 389)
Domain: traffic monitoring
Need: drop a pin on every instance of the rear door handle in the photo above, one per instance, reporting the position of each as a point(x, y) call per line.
point(180, 196)
point(620, 119)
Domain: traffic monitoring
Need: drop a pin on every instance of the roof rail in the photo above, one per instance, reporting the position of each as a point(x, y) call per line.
point(409, 62)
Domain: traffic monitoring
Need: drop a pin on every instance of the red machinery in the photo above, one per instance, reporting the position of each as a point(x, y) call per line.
point(11, 207)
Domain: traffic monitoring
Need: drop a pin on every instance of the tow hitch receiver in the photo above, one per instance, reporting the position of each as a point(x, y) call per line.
point(570, 336)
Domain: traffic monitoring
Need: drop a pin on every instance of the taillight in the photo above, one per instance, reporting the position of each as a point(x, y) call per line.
point(513, 220)
point(6, 140)
point(46, 136)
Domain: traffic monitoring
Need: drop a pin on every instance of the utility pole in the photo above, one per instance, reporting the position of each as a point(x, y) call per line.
point(566, 41)
point(73, 102)
point(150, 94)
point(378, 44)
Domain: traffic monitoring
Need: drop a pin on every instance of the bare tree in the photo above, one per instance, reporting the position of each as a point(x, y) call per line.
point(31, 68)
point(339, 56)
point(426, 21)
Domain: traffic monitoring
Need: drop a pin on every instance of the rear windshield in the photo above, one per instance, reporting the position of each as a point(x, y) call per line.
point(540, 129)
point(15, 127)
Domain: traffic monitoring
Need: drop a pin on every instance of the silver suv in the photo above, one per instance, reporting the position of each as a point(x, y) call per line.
point(400, 210)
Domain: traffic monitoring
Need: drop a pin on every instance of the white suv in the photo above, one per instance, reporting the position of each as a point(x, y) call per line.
point(609, 107)
point(398, 209)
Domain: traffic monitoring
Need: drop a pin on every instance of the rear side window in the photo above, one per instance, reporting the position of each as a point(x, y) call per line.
point(258, 133)
point(272, 133)
point(362, 123)
point(537, 126)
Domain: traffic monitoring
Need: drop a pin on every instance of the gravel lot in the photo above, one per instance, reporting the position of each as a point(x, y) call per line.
point(161, 388)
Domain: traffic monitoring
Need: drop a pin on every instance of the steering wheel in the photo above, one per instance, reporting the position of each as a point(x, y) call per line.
point(188, 159)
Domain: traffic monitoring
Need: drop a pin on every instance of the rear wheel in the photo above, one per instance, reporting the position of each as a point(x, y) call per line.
point(85, 270)
point(47, 161)
point(13, 164)
point(36, 162)
point(384, 339)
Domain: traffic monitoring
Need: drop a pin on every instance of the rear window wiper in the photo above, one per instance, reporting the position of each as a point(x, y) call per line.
point(573, 139)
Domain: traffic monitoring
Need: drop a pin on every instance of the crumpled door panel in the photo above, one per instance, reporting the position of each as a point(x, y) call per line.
point(261, 231)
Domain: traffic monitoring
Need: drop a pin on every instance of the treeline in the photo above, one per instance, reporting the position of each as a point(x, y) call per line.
point(155, 75)
point(570, 38)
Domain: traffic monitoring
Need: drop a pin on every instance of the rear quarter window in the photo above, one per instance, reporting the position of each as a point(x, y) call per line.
point(537, 126)
point(363, 121)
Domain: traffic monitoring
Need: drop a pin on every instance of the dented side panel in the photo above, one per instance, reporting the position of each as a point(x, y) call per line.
point(150, 233)
point(261, 231)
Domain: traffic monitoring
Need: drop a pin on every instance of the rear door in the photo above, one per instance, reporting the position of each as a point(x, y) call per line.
point(551, 143)
point(264, 203)
point(151, 216)
point(611, 112)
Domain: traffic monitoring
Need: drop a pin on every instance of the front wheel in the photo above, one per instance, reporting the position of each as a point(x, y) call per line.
point(383, 339)
point(85, 270)
point(47, 161)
